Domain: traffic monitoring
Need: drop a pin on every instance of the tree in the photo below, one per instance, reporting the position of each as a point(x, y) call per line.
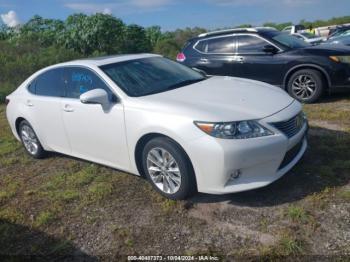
point(44, 31)
point(153, 34)
point(5, 32)
point(136, 40)
point(167, 47)
point(99, 33)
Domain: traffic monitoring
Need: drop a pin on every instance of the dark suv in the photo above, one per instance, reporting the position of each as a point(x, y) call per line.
point(271, 56)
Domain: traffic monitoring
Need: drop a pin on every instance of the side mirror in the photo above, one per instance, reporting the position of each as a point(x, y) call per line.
point(270, 49)
point(95, 96)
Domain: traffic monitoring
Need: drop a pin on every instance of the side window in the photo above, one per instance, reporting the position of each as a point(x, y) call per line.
point(49, 83)
point(248, 44)
point(31, 87)
point(202, 46)
point(81, 80)
point(222, 45)
point(219, 45)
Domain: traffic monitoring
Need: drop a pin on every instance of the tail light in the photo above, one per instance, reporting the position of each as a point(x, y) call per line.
point(180, 57)
point(7, 101)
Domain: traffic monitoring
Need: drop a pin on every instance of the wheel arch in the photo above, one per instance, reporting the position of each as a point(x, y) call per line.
point(142, 142)
point(306, 66)
point(17, 123)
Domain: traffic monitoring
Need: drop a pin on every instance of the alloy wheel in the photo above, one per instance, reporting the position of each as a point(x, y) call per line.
point(164, 170)
point(29, 139)
point(304, 86)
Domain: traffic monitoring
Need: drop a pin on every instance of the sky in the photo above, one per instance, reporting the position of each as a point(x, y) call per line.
point(172, 14)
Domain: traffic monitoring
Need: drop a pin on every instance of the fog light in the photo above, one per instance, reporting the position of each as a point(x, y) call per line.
point(236, 174)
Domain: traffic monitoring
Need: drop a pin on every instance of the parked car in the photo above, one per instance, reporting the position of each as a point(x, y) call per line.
point(293, 29)
point(271, 56)
point(309, 38)
point(154, 117)
point(338, 31)
point(341, 40)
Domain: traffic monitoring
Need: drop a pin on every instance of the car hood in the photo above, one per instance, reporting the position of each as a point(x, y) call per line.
point(219, 99)
point(326, 49)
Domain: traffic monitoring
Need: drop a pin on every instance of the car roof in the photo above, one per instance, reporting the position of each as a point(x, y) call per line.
point(237, 30)
point(105, 60)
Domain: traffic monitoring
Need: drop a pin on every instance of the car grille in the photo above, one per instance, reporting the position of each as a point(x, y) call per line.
point(292, 126)
point(291, 154)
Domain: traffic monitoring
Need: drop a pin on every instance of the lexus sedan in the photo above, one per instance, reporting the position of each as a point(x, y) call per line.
point(156, 118)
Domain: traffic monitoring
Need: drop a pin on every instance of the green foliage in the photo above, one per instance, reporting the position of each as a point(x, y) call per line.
point(135, 40)
point(167, 47)
point(44, 218)
point(41, 42)
point(153, 34)
point(18, 60)
point(88, 34)
point(171, 42)
point(44, 31)
point(297, 214)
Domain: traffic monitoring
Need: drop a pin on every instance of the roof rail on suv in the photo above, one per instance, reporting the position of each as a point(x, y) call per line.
point(234, 30)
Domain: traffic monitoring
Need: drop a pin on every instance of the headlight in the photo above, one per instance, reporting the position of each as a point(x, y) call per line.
point(234, 130)
point(341, 59)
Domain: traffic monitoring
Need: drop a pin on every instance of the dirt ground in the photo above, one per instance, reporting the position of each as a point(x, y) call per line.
point(71, 209)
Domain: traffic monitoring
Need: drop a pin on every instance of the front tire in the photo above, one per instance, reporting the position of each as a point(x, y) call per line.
point(168, 168)
point(30, 140)
point(306, 85)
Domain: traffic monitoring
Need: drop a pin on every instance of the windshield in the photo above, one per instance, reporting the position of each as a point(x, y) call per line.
point(147, 76)
point(288, 40)
point(345, 33)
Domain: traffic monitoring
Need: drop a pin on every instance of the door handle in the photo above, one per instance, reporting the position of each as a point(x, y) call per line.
point(68, 108)
point(29, 103)
point(239, 59)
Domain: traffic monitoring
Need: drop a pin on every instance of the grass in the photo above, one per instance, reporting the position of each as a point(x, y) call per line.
point(99, 191)
point(104, 210)
point(297, 214)
point(44, 218)
point(344, 194)
point(12, 215)
point(289, 245)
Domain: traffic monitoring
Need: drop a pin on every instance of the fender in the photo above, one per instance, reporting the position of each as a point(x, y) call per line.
point(309, 66)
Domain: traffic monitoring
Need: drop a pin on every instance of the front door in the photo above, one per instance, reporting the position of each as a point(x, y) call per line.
point(252, 62)
point(95, 133)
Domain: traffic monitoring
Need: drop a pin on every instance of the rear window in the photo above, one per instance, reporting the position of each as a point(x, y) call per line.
point(218, 45)
point(50, 83)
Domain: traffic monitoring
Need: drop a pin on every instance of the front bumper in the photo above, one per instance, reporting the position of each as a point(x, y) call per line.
point(260, 161)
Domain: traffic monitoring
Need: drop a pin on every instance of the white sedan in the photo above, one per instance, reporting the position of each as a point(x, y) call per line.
point(153, 117)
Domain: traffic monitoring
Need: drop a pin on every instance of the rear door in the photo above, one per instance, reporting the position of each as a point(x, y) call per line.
point(216, 55)
point(44, 105)
point(252, 62)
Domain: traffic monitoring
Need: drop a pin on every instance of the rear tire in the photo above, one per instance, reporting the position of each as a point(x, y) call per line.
point(30, 140)
point(306, 85)
point(168, 168)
